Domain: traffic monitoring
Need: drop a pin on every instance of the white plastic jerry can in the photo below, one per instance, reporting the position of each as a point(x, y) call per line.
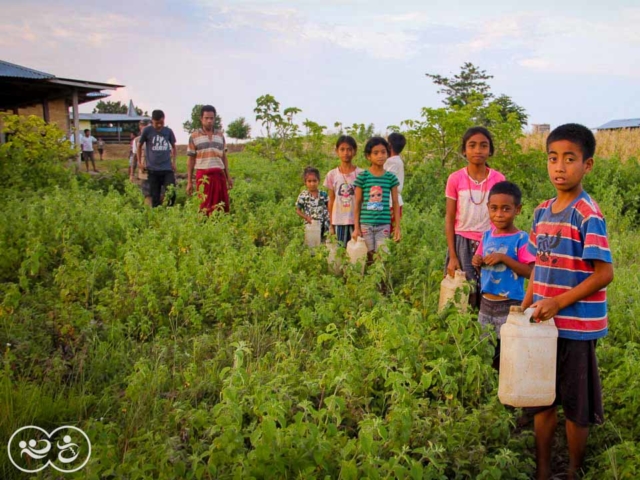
point(332, 257)
point(527, 360)
point(357, 250)
point(312, 234)
point(448, 288)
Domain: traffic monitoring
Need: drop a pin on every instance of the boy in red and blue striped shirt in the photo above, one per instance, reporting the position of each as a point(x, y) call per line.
point(572, 269)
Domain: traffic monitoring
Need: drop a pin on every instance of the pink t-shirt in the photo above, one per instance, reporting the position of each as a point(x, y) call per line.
point(344, 190)
point(472, 215)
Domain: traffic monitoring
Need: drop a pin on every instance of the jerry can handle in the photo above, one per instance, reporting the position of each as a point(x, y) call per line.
point(529, 312)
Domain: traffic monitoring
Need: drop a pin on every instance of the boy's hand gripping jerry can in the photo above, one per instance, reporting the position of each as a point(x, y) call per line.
point(312, 234)
point(448, 288)
point(527, 360)
point(357, 251)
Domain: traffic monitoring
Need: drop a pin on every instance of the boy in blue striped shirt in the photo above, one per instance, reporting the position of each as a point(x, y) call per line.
point(572, 270)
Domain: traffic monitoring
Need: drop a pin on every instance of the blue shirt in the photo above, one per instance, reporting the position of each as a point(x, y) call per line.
point(500, 279)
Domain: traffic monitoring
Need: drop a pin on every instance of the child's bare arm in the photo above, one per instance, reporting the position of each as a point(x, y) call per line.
point(549, 307)
point(396, 214)
point(449, 230)
point(332, 199)
point(356, 214)
point(522, 269)
point(528, 296)
point(302, 215)
point(476, 261)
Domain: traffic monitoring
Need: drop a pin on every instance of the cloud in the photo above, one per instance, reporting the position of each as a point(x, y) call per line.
point(535, 63)
point(290, 26)
point(56, 26)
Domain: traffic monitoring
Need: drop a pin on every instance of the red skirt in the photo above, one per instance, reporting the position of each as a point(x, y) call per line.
point(214, 184)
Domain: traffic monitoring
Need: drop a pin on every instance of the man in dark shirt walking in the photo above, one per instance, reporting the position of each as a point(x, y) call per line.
point(160, 158)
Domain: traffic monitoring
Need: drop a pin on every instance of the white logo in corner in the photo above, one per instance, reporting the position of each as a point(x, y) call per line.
point(32, 449)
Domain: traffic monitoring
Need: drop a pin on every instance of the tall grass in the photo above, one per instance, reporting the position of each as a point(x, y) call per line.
point(622, 144)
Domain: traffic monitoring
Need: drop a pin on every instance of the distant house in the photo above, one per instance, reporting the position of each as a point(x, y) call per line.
point(541, 128)
point(24, 91)
point(112, 127)
point(620, 124)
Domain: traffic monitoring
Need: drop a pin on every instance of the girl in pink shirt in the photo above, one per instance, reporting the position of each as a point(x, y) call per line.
point(467, 217)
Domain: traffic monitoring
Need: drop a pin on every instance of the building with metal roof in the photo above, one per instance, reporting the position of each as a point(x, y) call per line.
point(619, 124)
point(112, 127)
point(25, 91)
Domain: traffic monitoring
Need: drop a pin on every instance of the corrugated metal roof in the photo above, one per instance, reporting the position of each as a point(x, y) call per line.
point(16, 71)
point(111, 117)
point(624, 123)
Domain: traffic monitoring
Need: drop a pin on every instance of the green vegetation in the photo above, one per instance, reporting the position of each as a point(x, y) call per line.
point(109, 106)
point(193, 347)
point(239, 129)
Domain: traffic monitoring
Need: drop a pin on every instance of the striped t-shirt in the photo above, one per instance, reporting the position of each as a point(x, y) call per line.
point(565, 244)
point(208, 151)
point(376, 192)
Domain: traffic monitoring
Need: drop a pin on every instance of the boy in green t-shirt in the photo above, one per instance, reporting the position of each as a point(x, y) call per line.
point(376, 186)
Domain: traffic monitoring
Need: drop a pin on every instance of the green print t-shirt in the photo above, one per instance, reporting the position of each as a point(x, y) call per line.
point(376, 192)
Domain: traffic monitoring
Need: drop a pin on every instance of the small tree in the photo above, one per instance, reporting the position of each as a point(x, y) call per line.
point(239, 129)
point(506, 106)
point(268, 112)
point(35, 154)
point(110, 107)
point(194, 123)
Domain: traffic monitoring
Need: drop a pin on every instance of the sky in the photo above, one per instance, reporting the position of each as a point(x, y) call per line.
point(358, 61)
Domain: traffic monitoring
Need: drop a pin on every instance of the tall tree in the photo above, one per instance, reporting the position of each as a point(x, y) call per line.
point(239, 129)
point(465, 87)
point(194, 123)
point(470, 87)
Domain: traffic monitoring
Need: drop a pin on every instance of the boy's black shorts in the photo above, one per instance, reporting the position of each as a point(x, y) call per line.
point(578, 387)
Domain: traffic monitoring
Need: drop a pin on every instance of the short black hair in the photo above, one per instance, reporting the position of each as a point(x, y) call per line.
point(374, 142)
point(397, 142)
point(157, 115)
point(471, 132)
point(349, 140)
point(311, 171)
point(208, 108)
point(507, 188)
point(86, 130)
point(575, 133)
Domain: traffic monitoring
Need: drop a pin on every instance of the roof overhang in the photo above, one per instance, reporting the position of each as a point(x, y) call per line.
point(23, 92)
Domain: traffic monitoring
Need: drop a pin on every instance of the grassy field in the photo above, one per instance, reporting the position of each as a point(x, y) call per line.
point(620, 144)
point(193, 347)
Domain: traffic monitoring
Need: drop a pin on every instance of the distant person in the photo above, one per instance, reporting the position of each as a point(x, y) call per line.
point(340, 182)
point(133, 162)
point(312, 204)
point(86, 142)
point(395, 165)
point(160, 157)
point(569, 284)
point(503, 260)
point(207, 155)
point(100, 147)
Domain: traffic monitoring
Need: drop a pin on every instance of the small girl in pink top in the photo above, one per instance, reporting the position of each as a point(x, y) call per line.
point(467, 217)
